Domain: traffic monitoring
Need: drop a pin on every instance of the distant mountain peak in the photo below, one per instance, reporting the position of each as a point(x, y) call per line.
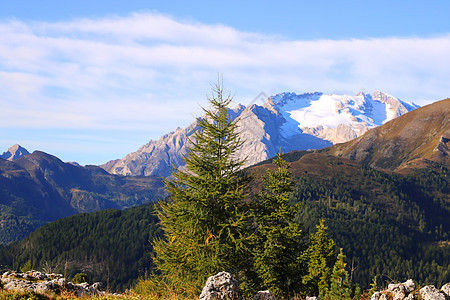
point(14, 152)
point(288, 121)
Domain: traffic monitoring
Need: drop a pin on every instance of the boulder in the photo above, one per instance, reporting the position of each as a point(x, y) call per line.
point(429, 292)
point(265, 295)
point(446, 290)
point(401, 290)
point(379, 296)
point(221, 286)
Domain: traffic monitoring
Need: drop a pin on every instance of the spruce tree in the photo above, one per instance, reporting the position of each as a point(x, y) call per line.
point(321, 258)
point(205, 219)
point(340, 288)
point(278, 240)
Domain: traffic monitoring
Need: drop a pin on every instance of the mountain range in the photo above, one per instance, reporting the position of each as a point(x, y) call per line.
point(384, 196)
point(38, 188)
point(286, 121)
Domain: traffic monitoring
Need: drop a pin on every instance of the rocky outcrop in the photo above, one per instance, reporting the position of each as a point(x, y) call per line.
point(443, 148)
point(221, 286)
point(429, 292)
point(409, 291)
point(42, 283)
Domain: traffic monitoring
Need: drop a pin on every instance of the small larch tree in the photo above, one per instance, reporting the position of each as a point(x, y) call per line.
point(205, 219)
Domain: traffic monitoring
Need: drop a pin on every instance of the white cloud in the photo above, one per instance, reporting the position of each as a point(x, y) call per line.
point(147, 69)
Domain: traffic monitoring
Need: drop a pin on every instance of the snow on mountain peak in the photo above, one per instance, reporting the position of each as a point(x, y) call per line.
point(288, 121)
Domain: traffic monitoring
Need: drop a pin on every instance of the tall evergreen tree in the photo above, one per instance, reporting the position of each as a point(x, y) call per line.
point(321, 258)
point(278, 240)
point(205, 218)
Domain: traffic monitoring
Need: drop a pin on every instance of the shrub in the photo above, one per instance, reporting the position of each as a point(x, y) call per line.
point(80, 278)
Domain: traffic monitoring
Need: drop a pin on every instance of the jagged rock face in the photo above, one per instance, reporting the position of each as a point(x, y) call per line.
point(14, 152)
point(286, 121)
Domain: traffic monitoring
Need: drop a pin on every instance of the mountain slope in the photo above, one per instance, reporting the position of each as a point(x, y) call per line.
point(419, 135)
point(38, 188)
point(287, 121)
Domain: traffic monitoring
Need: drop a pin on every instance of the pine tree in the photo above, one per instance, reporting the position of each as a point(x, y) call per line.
point(205, 218)
point(278, 240)
point(340, 288)
point(320, 256)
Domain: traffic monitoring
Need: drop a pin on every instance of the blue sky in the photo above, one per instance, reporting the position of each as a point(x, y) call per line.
point(91, 81)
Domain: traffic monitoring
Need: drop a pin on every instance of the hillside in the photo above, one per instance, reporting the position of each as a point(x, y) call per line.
point(408, 140)
point(39, 188)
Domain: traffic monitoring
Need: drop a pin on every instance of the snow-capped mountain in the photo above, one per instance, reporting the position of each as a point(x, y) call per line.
point(286, 121)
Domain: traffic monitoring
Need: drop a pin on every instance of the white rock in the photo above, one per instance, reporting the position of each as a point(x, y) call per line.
point(429, 292)
point(266, 295)
point(221, 286)
point(446, 289)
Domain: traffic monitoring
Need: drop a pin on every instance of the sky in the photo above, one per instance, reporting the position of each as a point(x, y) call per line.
point(91, 81)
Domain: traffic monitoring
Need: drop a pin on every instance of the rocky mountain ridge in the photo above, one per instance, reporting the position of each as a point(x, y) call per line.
point(286, 121)
point(14, 152)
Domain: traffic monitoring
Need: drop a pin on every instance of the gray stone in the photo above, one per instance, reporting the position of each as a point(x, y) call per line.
point(379, 296)
point(429, 292)
point(97, 286)
point(409, 285)
point(401, 290)
point(265, 295)
point(410, 297)
point(39, 282)
point(312, 298)
point(446, 290)
point(397, 290)
point(375, 296)
point(221, 286)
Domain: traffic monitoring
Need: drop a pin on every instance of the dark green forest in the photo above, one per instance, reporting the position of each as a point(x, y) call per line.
point(111, 246)
point(391, 226)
